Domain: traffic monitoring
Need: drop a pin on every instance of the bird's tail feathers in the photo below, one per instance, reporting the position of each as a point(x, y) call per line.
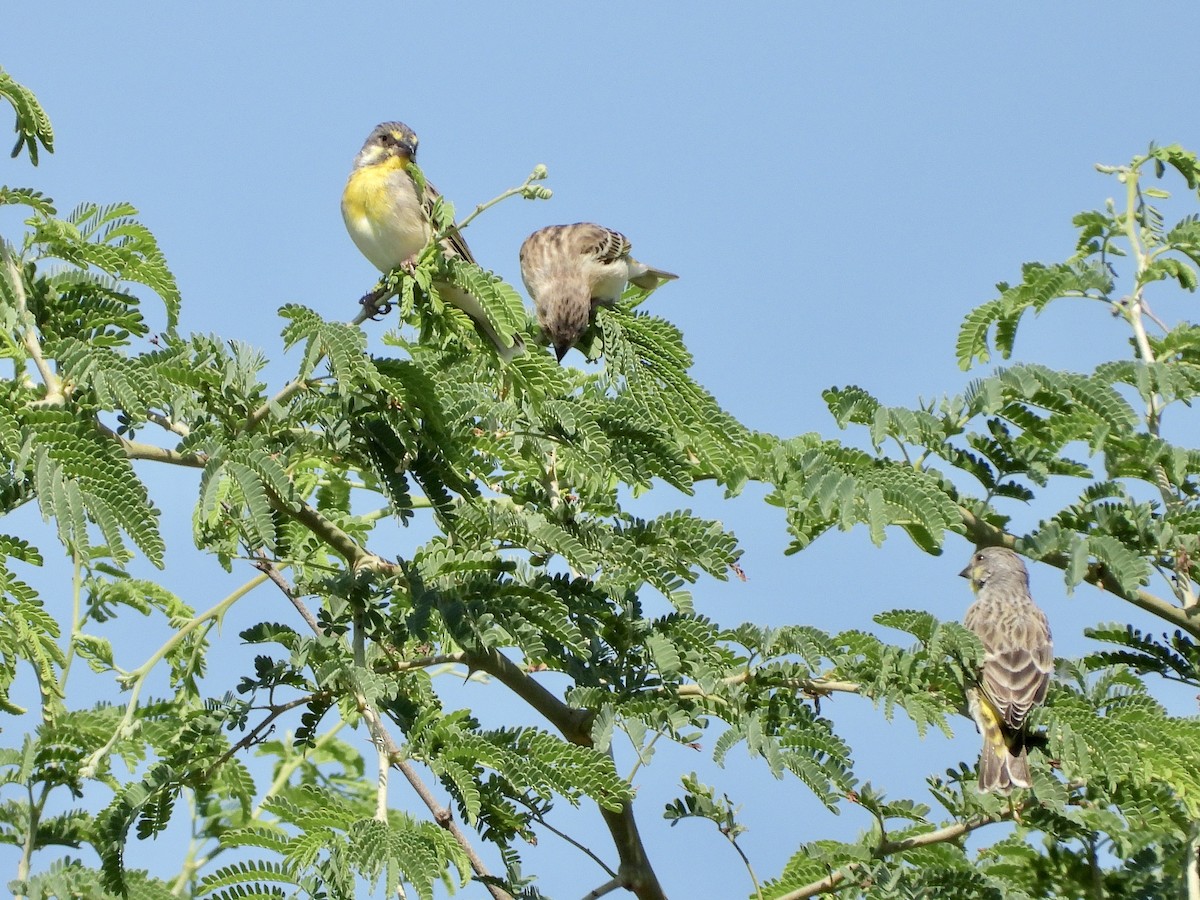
point(652, 278)
point(1003, 767)
point(1003, 762)
point(470, 305)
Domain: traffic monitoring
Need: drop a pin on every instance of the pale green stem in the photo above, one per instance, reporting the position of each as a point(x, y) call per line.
point(179, 428)
point(54, 393)
point(138, 676)
point(1193, 866)
point(536, 175)
point(952, 832)
point(76, 619)
point(287, 767)
point(381, 789)
point(642, 756)
point(35, 810)
point(286, 392)
point(1133, 313)
point(36, 806)
point(552, 488)
point(746, 862)
point(190, 863)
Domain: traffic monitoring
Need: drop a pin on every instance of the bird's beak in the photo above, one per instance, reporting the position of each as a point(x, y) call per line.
point(408, 148)
point(965, 573)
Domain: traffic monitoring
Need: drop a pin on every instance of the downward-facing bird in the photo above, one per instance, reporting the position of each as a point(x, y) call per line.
point(568, 269)
point(388, 218)
point(1018, 659)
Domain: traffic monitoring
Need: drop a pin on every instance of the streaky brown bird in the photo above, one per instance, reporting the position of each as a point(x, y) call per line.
point(1018, 659)
point(570, 269)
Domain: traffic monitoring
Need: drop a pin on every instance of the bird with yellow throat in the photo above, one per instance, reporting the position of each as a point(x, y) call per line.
point(388, 215)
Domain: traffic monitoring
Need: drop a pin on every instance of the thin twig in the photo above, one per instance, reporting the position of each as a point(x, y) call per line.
point(291, 764)
point(570, 840)
point(636, 873)
point(746, 863)
point(607, 888)
point(162, 421)
point(292, 387)
point(137, 678)
point(524, 189)
point(271, 570)
point(817, 687)
point(252, 736)
point(643, 756)
point(381, 789)
point(552, 488)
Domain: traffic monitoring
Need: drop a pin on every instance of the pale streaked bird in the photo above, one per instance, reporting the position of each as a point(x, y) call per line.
point(389, 220)
point(1018, 659)
point(569, 269)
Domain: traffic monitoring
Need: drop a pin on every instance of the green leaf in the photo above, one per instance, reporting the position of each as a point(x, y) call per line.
point(32, 125)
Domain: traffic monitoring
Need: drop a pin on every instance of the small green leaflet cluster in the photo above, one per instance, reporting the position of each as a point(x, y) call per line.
point(323, 837)
point(32, 125)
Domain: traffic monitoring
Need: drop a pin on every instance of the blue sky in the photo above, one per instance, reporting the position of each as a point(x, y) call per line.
point(836, 185)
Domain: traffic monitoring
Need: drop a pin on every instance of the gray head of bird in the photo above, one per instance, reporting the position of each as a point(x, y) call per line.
point(994, 563)
point(388, 140)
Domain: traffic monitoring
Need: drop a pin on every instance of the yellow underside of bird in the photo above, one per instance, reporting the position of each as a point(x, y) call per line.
point(989, 720)
point(1003, 764)
point(384, 215)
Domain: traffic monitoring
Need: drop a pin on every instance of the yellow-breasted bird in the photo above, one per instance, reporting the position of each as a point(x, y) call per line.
point(388, 218)
point(569, 269)
point(1018, 659)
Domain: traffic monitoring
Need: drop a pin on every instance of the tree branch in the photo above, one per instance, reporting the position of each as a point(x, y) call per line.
point(356, 556)
point(252, 737)
point(573, 724)
point(138, 450)
point(636, 873)
point(817, 687)
point(888, 848)
point(168, 424)
point(607, 888)
point(136, 679)
point(286, 392)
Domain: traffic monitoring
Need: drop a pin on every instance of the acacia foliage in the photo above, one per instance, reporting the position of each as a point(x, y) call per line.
point(538, 564)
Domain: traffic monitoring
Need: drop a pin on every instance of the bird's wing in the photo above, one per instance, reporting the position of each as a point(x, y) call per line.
point(454, 242)
point(1017, 664)
point(601, 243)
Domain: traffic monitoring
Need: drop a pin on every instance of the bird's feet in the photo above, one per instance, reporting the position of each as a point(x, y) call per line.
point(376, 303)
